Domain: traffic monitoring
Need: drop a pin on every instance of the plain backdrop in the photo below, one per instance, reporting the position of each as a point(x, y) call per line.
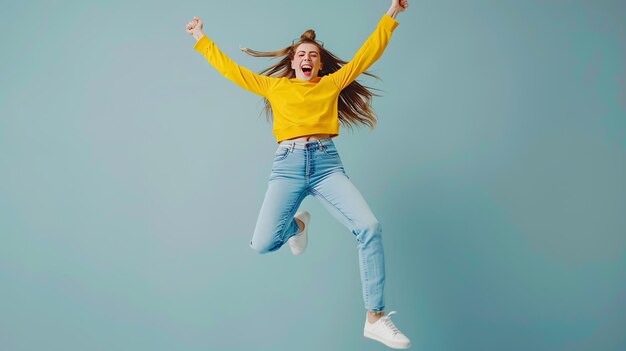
point(131, 175)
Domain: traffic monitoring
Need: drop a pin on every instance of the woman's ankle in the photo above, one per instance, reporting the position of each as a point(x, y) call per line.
point(373, 316)
point(300, 225)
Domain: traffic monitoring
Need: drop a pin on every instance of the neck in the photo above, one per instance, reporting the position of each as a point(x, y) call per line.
point(312, 80)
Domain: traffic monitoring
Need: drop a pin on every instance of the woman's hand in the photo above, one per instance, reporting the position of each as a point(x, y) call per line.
point(195, 28)
point(397, 6)
point(401, 5)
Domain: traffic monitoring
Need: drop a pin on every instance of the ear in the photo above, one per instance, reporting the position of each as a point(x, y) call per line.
point(292, 67)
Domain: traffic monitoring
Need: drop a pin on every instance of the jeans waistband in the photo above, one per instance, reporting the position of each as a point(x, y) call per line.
point(293, 144)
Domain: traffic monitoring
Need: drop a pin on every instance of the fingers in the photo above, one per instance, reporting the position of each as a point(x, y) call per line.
point(193, 24)
point(400, 5)
point(196, 21)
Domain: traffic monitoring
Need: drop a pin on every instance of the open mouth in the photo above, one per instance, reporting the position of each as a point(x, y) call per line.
point(307, 70)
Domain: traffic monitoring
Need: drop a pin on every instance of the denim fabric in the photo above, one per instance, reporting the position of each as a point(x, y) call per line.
point(314, 168)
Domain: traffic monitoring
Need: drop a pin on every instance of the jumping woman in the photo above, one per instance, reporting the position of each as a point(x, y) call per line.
point(308, 94)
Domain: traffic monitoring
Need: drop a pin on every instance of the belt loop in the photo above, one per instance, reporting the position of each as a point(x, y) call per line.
point(292, 146)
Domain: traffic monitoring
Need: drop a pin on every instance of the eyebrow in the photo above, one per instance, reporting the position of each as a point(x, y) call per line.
point(304, 51)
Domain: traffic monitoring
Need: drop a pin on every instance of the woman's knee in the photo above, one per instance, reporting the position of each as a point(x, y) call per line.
point(370, 231)
point(262, 247)
point(267, 239)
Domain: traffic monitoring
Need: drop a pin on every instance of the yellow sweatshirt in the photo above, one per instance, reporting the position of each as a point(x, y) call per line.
point(302, 107)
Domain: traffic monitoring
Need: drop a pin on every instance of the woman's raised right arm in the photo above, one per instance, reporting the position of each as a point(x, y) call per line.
point(242, 76)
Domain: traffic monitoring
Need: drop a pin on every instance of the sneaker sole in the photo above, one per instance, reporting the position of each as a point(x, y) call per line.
point(393, 345)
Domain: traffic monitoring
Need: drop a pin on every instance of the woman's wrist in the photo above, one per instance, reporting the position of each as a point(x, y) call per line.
point(197, 35)
point(393, 11)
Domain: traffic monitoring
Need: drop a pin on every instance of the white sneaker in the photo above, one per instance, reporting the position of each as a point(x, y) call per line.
point(383, 330)
point(298, 242)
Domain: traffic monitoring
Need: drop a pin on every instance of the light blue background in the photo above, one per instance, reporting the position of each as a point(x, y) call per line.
point(131, 175)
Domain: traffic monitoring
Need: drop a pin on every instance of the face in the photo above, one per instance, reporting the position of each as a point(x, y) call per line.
point(306, 61)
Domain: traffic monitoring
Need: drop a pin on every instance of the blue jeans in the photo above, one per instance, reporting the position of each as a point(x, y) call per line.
point(314, 168)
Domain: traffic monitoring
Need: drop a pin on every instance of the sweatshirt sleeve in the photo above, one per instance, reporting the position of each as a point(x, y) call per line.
point(369, 52)
point(242, 76)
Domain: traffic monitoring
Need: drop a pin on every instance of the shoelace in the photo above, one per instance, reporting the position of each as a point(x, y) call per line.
point(387, 321)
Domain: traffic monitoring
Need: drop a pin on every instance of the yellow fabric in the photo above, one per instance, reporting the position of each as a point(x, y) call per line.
point(302, 107)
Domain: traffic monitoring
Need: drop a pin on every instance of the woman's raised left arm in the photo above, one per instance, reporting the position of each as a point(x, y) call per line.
point(373, 47)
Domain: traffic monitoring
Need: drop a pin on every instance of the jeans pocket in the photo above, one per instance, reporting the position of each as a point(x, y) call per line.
point(281, 153)
point(330, 151)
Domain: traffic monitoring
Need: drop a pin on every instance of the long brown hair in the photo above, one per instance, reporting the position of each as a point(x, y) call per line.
point(355, 100)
